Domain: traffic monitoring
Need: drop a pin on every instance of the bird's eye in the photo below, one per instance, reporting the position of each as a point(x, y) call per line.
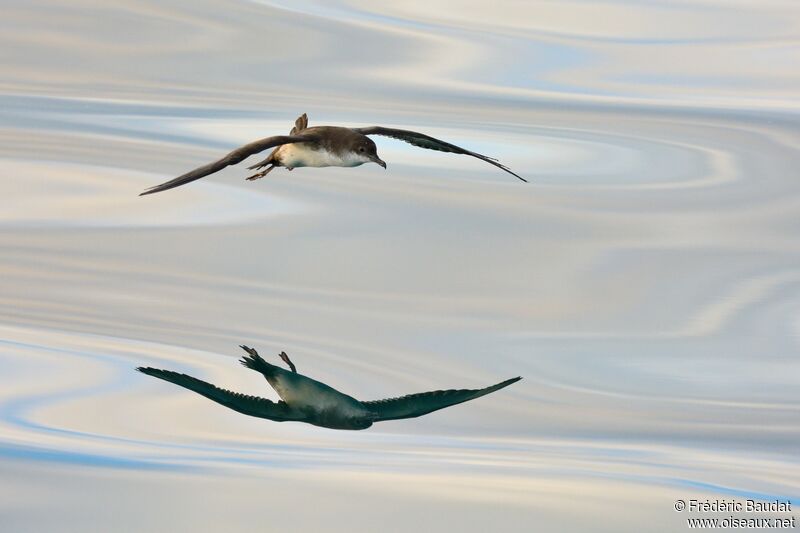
point(361, 149)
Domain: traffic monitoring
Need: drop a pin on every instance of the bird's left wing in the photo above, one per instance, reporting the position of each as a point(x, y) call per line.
point(415, 405)
point(232, 158)
point(248, 405)
point(426, 141)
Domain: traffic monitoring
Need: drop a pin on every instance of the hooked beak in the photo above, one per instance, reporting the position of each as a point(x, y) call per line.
point(380, 161)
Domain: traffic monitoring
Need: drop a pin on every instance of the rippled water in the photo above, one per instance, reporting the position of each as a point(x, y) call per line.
point(645, 283)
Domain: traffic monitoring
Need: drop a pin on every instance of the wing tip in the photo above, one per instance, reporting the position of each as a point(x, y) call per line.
point(158, 188)
point(508, 382)
point(150, 371)
point(506, 169)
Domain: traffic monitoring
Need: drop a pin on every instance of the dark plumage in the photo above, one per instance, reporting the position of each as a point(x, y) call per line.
point(306, 400)
point(320, 146)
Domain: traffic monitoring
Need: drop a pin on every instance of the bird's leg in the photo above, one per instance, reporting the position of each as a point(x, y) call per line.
point(288, 361)
point(251, 351)
point(261, 174)
point(258, 175)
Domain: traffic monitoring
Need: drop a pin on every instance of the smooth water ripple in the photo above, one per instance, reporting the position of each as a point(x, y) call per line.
point(645, 283)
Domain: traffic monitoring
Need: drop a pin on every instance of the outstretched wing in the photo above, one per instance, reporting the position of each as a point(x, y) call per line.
point(426, 141)
point(248, 405)
point(231, 159)
point(415, 405)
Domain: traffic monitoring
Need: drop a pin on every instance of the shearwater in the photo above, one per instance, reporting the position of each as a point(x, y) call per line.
point(307, 400)
point(320, 146)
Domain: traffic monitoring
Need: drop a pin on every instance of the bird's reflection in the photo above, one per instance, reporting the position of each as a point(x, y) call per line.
point(306, 400)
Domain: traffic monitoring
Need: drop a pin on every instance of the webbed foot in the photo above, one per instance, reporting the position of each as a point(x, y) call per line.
point(288, 361)
point(258, 175)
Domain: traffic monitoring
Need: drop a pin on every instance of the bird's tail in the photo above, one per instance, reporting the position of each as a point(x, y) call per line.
point(300, 124)
point(255, 362)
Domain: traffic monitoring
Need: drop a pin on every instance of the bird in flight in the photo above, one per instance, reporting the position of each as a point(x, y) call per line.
point(306, 400)
point(320, 146)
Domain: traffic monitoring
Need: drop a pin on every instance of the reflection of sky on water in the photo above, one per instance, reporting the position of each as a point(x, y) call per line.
point(644, 284)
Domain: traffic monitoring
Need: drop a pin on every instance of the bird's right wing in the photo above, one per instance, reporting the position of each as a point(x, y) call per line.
point(248, 405)
point(431, 143)
point(415, 405)
point(232, 158)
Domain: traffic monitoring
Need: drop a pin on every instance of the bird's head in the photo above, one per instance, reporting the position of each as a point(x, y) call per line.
point(367, 152)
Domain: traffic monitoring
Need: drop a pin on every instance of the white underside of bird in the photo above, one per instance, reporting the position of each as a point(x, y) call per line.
point(303, 392)
point(319, 146)
point(303, 155)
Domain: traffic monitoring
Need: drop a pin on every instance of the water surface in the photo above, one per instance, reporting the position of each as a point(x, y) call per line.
point(645, 283)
